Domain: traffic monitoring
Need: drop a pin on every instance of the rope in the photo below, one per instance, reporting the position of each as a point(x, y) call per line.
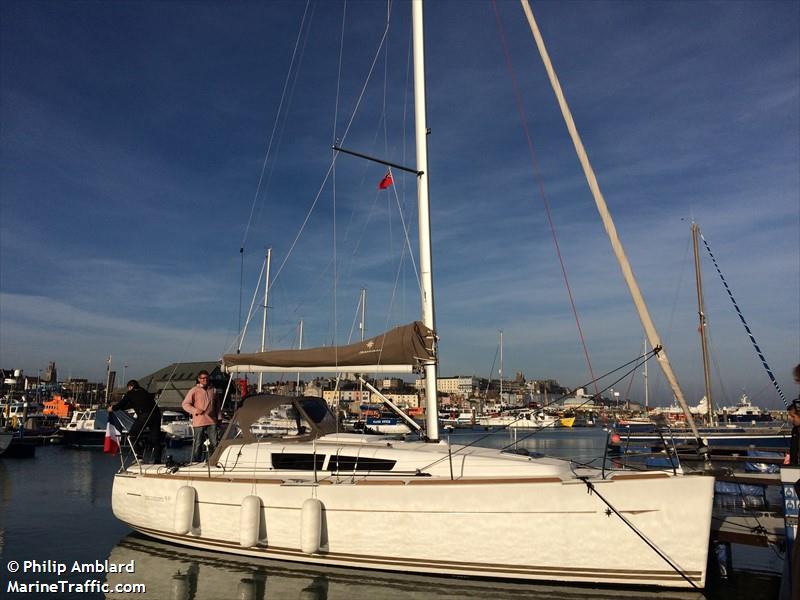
point(540, 185)
point(656, 549)
point(746, 326)
point(608, 223)
point(275, 125)
point(504, 427)
point(652, 353)
point(336, 154)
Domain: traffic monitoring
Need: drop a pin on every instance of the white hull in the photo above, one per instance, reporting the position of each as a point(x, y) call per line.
point(183, 573)
point(516, 422)
point(535, 521)
point(390, 429)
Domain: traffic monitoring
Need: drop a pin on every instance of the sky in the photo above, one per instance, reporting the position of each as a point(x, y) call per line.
point(145, 143)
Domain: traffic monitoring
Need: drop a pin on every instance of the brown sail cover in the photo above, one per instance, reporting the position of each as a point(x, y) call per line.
point(410, 344)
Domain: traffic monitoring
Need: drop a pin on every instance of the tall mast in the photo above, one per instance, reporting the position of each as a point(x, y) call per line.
point(363, 302)
point(299, 347)
point(698, 278)
point(423, 207)
point(646, 387)
point(268, 260)
point(501, 366)
point(608, 223)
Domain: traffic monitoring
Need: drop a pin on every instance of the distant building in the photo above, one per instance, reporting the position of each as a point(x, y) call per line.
point(51, 374)
point(348, 397)
point(459, 385)
point(392, 383)
point(174, 381)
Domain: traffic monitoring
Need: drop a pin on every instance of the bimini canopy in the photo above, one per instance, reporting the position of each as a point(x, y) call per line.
point(400, 350)
point(265, 416)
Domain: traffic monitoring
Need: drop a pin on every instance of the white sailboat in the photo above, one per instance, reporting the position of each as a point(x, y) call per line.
point(330, 498)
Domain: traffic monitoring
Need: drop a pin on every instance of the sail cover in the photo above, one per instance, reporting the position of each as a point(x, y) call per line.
point(402, 349)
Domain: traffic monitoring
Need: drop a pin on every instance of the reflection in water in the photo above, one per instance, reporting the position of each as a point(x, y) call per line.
point(175, 573)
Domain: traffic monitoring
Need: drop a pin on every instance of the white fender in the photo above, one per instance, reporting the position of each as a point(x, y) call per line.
point(249, 521)
point(185, 500)
point(311, 526)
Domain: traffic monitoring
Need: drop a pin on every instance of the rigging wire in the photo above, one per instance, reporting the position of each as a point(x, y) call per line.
point(333, 187)
point(746, 326)
point(275, 124)
point(291, 76)
point(540, 184)
point(635, 362)
point(336, 154)
point(593, 490)
point(635, 367)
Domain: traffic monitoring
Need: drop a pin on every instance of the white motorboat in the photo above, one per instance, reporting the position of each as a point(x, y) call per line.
point(86, 429)
point(524, 419)
point(744, 413)
point(176, 427)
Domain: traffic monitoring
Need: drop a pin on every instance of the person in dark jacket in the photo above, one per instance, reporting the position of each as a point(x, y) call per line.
point(794, 447)
point(145, 433)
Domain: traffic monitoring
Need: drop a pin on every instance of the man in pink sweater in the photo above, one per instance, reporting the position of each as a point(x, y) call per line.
point(201, 403)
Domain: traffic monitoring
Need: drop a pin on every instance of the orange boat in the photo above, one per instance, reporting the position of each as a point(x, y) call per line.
point(59, 407)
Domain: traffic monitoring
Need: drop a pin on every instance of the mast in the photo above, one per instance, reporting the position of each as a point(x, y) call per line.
point(267, 260)
point(646, 387)
point(501, 367)
point(363, 302)
point(423, 206)
point(608, 223)
point(698, 278)
point(108, 380)
point(300, 347)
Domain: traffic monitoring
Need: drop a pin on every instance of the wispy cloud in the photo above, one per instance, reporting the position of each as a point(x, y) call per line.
point(132, 148)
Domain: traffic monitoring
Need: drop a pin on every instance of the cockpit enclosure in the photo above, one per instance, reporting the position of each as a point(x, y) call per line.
point(271, 417)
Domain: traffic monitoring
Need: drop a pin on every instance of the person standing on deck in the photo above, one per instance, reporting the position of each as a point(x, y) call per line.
point(790, 586)
point(201, 403)
point(145, 433)
point(793, 413)
point(793, 458)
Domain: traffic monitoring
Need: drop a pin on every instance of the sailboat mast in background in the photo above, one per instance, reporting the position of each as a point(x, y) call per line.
point(701, 312)
point(267, 261)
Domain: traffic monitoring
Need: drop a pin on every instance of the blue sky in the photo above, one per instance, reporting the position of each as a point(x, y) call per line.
point(133, 136)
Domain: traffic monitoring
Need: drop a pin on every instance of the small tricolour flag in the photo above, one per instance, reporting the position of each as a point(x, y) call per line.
point(386, 181)
point(113, 434)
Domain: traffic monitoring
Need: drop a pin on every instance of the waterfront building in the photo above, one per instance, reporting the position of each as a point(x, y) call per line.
point(460, 385)
point(174, 381)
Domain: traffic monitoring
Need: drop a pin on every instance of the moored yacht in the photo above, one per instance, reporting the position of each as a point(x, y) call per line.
point(428, 506)
point(307, 498)
point(744, 413)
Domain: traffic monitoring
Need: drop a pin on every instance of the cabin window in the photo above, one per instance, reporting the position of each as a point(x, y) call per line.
point(356, 463)
point(298, 462)
point(315, 410)
point(101, 419)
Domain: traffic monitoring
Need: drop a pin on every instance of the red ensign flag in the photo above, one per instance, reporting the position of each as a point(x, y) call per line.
point(386, 181)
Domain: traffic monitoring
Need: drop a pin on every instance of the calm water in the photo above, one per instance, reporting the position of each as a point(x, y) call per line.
point(57, 507)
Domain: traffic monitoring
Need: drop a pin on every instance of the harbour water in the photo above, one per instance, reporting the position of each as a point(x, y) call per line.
point(55, 512)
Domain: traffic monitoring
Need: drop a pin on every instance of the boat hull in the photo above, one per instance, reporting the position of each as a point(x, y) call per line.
point(521, 528)
point(75, 438)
